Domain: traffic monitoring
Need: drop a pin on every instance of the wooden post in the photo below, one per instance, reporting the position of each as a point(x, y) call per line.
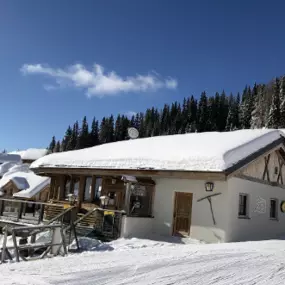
point(63, 241)
point(3, 255)
point(93, 185)
point(15, 246)
point(61, 188)
point(2, 206)
point(41, 213)
point(81, 191)
point(51, 188)
point(20, 211)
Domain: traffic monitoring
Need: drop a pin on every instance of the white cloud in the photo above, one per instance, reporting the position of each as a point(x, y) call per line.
point(96, 82)
point(129, 114)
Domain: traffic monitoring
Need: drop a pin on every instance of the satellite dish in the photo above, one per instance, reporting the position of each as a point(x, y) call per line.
point(133, 133)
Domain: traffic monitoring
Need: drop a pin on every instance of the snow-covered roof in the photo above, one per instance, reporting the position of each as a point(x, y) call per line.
point(27, 181)
point(4, 167)
point(31, 153)
point(210, 151)
point(10, 157)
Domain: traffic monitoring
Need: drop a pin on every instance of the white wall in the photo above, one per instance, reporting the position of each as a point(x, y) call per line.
point(136, 227)
point(258, 226)
point(202, 226)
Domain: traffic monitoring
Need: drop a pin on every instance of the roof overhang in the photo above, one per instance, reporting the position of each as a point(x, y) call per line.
point(198, 175)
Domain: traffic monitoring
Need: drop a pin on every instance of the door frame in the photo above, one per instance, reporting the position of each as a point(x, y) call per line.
point(176, 193)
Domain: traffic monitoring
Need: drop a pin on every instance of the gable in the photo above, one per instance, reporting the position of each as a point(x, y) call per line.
point(268, 167)
point(9, 189)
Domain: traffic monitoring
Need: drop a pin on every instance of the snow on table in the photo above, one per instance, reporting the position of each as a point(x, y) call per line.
point(210, 151)
point(147, 262)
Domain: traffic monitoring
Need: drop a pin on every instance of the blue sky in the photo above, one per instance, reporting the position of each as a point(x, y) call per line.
point(61, 60)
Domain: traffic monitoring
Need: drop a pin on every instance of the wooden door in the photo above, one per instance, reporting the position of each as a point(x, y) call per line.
point(182, 213)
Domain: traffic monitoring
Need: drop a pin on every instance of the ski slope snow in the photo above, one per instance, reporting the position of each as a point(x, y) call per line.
point(146, 262)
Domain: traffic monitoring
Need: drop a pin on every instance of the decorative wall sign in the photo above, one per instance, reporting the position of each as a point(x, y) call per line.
point(282, 206)
point(138, 190)
point(260, 207)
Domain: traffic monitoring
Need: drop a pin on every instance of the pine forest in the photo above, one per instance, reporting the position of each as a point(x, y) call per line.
point(258, 106)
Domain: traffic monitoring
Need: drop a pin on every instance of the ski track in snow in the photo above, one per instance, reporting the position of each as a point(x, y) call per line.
point(150, 263)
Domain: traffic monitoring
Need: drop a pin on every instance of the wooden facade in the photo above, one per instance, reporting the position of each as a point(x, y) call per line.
point(11, 188)
point(268, 168)
point(88, 189)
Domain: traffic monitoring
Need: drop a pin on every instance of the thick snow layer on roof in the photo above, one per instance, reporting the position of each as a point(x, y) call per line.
point(27, 181)
point(211, 151)
point(31, 153)
point(4, 167)
point(10, 157)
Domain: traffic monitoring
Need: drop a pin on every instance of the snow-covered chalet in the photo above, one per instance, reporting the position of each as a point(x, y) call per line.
point(216, 187)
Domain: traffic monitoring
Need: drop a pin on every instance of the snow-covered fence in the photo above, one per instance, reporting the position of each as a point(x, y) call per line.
point(52, 244)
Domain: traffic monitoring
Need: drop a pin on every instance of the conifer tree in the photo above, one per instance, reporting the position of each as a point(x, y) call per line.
point(273, 120)
point(231, 114)
point(282, 103)
point(203, 115)
point(67, 141)
point(223, 109)
point(83, 137)
point(192, 116)
point(52, 144)
point(57, 147)
point(257, 116)
point(94, 133)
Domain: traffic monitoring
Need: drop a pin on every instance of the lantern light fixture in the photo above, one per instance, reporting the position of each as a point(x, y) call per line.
point(104, 201)
point(209, 186)
point(71, 199)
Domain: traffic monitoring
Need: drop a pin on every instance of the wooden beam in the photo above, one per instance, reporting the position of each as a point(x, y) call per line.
point(198, 175)
point(266, 172)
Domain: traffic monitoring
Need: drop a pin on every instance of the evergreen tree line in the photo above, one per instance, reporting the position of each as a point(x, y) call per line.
point(256, 107)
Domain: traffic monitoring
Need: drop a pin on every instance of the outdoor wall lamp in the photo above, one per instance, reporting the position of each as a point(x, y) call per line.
point(104, 201)
point(71, 199)
point(209, 186)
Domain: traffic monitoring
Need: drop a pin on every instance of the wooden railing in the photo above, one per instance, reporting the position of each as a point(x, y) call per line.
point(25, 211)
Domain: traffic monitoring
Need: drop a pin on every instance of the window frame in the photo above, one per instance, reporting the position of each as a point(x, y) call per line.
point(275, 218)
point(245, 207)
point(149, 190)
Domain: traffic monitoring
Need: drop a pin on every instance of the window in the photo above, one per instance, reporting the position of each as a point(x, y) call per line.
point(273, 209)
point(67, 187)
point(88, 189)
point(242, 211)
point(92, 191)
point(71, 186)
point(141, 200)
point(98, 187)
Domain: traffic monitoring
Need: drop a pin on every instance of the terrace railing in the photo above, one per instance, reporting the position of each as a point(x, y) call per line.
point(29, 212)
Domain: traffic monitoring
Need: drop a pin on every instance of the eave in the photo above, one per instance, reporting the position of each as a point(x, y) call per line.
point(198, 175)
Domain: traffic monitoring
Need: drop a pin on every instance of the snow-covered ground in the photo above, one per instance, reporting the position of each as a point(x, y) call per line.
point(153, 262)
